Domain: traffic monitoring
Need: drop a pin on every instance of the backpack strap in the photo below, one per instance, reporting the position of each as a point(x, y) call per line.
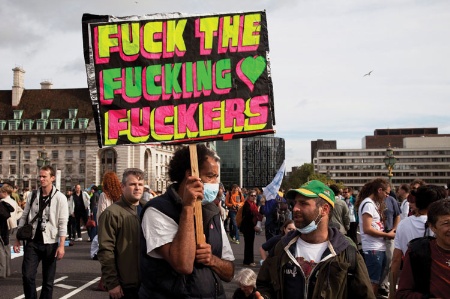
point(350, 256)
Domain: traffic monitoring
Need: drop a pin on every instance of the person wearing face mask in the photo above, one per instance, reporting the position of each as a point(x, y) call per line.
point(172, 265)
point(315, 261)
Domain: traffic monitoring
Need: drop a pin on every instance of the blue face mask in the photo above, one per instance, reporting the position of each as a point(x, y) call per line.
point(210, 192)
point(310, 227)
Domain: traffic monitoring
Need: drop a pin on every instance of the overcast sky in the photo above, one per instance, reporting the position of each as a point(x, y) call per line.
point(319, 52)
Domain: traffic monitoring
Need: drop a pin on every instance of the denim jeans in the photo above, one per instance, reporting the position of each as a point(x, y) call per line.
point(375, 262)
point(234, 231)
point(33, 254)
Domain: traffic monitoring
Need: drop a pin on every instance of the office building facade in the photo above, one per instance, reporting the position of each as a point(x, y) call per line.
point(250, 162)
point(426, 158)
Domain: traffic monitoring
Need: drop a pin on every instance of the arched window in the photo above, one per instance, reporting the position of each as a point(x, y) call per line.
point(108, 160)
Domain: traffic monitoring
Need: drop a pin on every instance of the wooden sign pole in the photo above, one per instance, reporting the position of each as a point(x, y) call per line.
point(199, 234)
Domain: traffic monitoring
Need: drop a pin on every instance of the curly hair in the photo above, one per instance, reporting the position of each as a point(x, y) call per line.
point(111, 186)
point(181, 161)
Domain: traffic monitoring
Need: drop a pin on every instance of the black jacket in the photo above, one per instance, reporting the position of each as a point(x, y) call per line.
point(159, 280)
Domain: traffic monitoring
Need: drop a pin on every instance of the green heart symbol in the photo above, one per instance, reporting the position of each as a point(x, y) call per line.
point(250, 69)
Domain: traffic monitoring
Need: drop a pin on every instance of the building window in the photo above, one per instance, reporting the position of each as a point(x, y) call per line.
point(82, 140)
point(69, 154)
point(1, 168)
point(26, 168)
point(26, 125)
point(45, 113)
point(69, 124)
point(41, 140)
point(55, 154)
point(73, 113)
point(55, 124)
point(26, 155)
point(69, 140)
point(156, 158)
point(13, 155)
point(27, 141)
point(18, 114)
point(1, 155)
point(1, 140)
point(13, 141)
point(82, 154)
point(13, 125)
point(2, 124)
point(82, 168)
point(108, 160)
point(12, 169)
point(69, 168)
point(83, 123)
point(41, 124)
point(55, 140)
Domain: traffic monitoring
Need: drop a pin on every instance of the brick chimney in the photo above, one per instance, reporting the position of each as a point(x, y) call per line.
point(47, 84)
point(18, 86)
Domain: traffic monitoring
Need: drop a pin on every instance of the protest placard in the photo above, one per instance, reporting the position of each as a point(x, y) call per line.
point(178, 78)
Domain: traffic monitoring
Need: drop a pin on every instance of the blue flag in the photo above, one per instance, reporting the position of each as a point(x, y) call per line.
point(271, 190)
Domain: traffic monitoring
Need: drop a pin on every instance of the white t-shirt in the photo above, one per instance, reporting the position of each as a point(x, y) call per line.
point(404, 208)
point(410, 228)
point(369, 242)
point(159, 229)
point(310, 252)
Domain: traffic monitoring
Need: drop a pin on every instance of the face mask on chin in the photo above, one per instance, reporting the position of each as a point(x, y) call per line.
point(210, 192)
point(312, 226)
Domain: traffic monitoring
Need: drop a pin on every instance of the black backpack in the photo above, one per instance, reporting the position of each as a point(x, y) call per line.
point(420, 258)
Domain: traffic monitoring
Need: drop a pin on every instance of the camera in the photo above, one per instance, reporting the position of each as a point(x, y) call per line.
point(43, 225)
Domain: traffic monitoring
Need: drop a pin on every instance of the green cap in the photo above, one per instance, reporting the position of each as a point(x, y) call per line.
point(313, 189)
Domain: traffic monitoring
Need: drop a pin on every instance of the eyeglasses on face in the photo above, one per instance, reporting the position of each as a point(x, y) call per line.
point(253, 195)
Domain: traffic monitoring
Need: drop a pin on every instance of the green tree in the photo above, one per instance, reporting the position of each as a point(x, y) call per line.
point(298, 177)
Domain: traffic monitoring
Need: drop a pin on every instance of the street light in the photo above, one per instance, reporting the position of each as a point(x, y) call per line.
point(42, 160)
point(19, 175)
point(389, 160)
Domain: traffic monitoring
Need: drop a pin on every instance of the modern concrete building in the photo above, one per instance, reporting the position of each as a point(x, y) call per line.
point(321, 144)
point(426, 158)
point(56, 127)
point(250, 162)
point(383, 137)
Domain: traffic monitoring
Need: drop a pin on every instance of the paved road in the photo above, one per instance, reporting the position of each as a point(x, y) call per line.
point(77, 275)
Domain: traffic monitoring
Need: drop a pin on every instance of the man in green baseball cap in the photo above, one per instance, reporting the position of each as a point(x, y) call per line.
point(312, 258)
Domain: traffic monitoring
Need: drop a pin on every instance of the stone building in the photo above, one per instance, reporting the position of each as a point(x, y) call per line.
point(56, 127)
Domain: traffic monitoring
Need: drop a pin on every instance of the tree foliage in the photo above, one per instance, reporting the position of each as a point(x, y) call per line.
point(298, 177)
point(306, 173)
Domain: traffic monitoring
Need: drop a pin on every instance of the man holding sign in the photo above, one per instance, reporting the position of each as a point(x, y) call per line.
point(172, 264)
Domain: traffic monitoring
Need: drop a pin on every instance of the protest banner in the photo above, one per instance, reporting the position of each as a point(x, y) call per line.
point(178, 79)
point(175, 78)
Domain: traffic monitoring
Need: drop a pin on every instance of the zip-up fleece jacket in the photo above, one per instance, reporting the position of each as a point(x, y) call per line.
point(281, 276)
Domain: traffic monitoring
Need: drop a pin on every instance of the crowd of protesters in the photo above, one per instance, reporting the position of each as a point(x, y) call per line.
point(321, 240)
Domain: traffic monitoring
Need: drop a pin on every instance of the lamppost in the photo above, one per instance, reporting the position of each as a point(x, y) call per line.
point(19, 175)
point(389, 160)
point(42, 160)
